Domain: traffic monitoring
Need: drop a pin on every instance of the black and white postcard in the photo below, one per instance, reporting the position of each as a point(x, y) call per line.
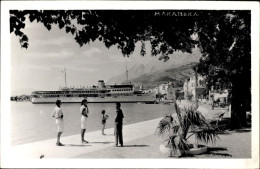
point(144, 84)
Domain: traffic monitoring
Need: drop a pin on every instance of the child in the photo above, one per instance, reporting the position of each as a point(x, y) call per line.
point(103, 122)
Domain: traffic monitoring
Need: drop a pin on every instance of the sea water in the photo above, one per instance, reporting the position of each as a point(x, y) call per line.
point(34, 122)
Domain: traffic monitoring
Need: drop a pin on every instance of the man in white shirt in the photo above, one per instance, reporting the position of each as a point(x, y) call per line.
point(57, 113)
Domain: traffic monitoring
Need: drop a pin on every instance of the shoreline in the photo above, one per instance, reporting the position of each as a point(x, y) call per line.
point(45, 128)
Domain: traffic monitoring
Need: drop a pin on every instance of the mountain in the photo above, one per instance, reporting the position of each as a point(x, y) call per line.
point(154, 67)
point(176, 75)
point(135, 71)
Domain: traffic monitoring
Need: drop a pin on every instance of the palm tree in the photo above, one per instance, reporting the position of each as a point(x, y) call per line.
point(187, 122)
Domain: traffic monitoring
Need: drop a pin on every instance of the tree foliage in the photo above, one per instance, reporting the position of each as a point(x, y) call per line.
point(226, 49)
point(123, 28)
point(224, 38)
point(226, 60)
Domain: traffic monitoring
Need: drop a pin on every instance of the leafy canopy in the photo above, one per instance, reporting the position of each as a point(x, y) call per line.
point(166, 31)
point(223, 36)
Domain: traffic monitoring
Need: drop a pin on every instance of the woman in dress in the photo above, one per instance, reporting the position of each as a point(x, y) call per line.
point(84, 115)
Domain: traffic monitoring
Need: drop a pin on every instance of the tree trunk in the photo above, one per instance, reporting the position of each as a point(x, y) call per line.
point(238, 106)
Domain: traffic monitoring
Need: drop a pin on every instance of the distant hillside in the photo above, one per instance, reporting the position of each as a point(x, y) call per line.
point(175, 75)
point(159, 68)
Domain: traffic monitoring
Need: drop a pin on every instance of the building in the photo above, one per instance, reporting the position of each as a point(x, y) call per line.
point(192, 90)
point(166, 91)
point(219, 97)
point(163, 88)
point(171, 94)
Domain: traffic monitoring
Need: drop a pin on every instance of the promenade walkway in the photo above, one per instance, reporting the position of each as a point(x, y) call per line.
point(73, 146)
point(139, 143)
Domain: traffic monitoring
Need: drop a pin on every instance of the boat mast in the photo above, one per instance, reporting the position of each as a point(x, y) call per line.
point(65, 77)
point(126, 74)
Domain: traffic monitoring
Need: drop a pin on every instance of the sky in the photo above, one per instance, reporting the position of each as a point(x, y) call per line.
point(40, 66)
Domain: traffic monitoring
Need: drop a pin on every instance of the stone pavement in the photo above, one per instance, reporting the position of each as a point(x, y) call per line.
point(73, 146)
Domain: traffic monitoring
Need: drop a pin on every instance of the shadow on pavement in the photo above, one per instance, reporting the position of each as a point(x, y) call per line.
point(217, 149)
point(241, 130)
point(221, 154)
point(76, 145)
point(136, 145)
point(212, 151)
point(105, 142)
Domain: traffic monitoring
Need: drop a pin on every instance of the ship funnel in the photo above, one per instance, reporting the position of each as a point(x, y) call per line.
point(101, 84)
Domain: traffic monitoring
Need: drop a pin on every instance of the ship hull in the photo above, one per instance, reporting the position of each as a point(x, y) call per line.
point(121, 99)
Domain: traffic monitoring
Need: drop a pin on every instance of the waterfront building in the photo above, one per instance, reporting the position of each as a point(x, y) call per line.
point(219, 97)
point(195, 88)
point(171, 93)
point(163, 88)
point(166, 91)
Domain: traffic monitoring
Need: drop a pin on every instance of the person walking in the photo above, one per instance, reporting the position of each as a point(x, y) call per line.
point(58, 114)
point(84, 115)
point(103, 122)
point(119, 125)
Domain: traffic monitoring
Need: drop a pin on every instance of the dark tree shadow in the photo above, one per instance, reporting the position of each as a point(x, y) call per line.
point(215, 151)
point(241, 130)
point(223, 132)
point(76, 145)
point(105, 142)
point(221, 154)
point(186, 156)
point(136, 145)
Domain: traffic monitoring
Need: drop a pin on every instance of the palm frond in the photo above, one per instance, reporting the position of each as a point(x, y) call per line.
point(183, 145)
point(194, 116)
point(178, 112)
point(164, 126)
point(206, 135)
point(173, 142)
point(175, 129)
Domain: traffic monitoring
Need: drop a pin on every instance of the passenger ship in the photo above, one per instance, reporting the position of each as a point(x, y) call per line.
point(124, 93)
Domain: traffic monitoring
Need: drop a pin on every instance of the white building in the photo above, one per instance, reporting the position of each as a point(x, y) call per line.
point(219, 96)
point(167, 90)
point(163, 88)
point(201, 92)
point(189, 88)
point(171, 95)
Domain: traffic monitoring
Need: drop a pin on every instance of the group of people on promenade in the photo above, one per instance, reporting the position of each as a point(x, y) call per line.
point(84, 111)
